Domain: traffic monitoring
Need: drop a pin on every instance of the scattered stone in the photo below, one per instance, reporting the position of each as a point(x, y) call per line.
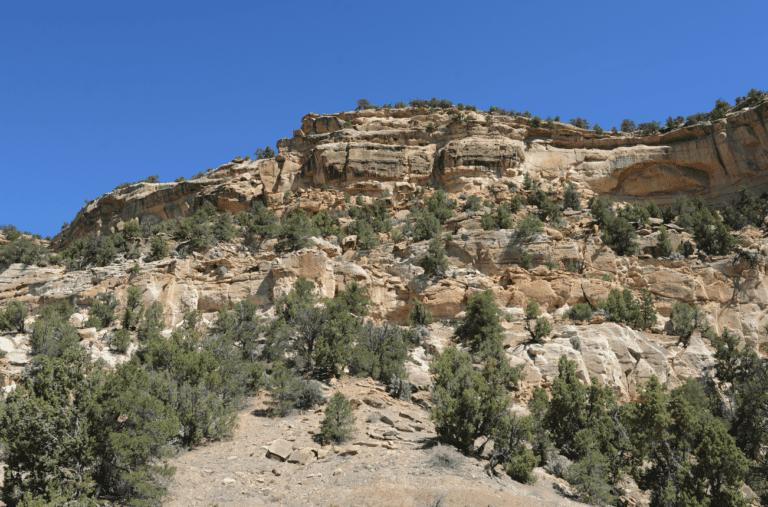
point(373, 401)
point(275, 471)
point(230, 458)
point(367, 443)
point(337, 472)
point(280, 449)
point(228, 480)
point(301, 456)
point(387, 420)
point(346, 451)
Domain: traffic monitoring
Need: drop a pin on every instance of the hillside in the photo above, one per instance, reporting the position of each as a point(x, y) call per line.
point(372, 176)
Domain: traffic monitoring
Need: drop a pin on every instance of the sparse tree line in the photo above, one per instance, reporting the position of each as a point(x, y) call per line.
point(628, 126)
point(692, 446)
point(73, 431)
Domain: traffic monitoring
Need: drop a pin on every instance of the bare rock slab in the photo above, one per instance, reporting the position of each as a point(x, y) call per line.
point(280, 450)
point(301, 456)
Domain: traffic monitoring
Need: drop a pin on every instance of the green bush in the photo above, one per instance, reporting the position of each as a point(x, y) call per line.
point(132, 229)
point(380, 353)
point(22, 250)
point(258, 221)
point(158, 248)
point(481, 323)
point(540, 331)
point(622, 307)
point(295, 231)
point(366, 235)
point(487, 222)
point(133, 308)
point(440, 206)
point(473, 203)
point(427, 227)
point(419, 316)
point(619, 235)
point(532, 310)
point(195, 231)
point(572, 198)
point(52, 334)
point(601, 209)
point(628, 125)
point(598, 130)
point(265, 153)
point(470, 403)
point(337, 425)
point(434, 261)
point(120, 341)
point(13, 317)
point(102, 310)
point(72, 431)
point(663, 247)
point(685, 319)
point(580, 311)
point(151, 324)
point(526, 260)
point(529, 226)
point(290, 392)
point(224, 227)
point(325, 224)
point(581, 123)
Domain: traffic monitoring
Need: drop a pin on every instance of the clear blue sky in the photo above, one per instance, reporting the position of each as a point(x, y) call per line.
point(93, 94)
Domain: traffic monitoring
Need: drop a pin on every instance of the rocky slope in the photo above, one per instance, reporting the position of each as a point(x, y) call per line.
point(367, 152)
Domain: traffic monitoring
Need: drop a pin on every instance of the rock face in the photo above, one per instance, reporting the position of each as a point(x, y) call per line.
point(400, 149)
point(366, 152)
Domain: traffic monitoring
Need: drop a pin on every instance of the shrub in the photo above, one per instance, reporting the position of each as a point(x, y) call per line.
point(337, 425)
point(13, 317)
point(532, 310)
point(158, 248)
point(379, 353)
point(572, 198)
point(444, 456)
point(540, 331)
point(427, 227)
point(527, 182)
point(106, 433)
point(132, 229)
point(534, 122)
point(295, 231)
point(580, 311)
point(102, 310)
point(473, 203)
point(650, 127)
point(23, 250)
point(685, 319)
point(663, 247)
point(120, 341)
point(52, 334)
point(440, 206)
point(481, 323)
point(529, 226)
point(526, 260)
point(224, 227)
point(468, 403)
point(628, 125)
point(133, 308)
point(487, 222)
point(581, 123)
point(619, 235)
point(363, 104)
point(598, 130)
point(434, 261)
point(325, 224)
point(621, 306)
point(265, 153)
point(258, 221)
point(194, 230)
point(290, 392)
point(419, 316)
point(152, 323)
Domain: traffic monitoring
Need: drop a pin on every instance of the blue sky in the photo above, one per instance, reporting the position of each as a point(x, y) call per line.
point(93, 94)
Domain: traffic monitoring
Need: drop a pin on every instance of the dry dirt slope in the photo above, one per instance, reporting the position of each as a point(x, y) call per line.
point(366, 471)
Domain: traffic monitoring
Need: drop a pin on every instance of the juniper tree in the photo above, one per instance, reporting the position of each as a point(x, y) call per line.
point(434, 261)
point(481, 323)
point(337, 424)
point(419, 316)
